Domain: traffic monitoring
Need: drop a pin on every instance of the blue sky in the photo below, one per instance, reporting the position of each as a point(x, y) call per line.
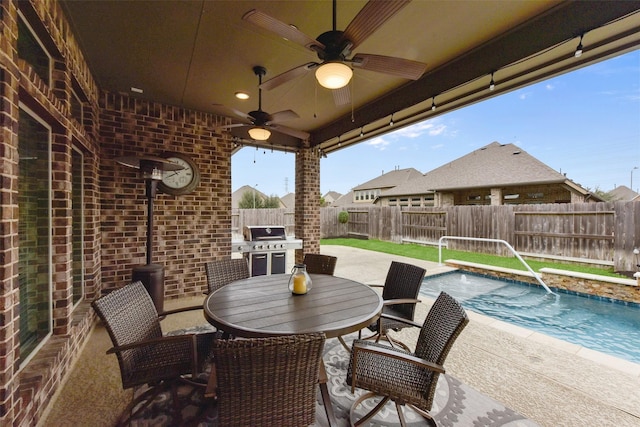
point(585, 124)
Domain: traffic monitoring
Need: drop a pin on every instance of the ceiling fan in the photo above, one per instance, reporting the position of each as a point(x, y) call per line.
point(261, 121)
point(334, 47)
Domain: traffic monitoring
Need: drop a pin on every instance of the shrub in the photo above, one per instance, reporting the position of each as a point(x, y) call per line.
point(343, 217)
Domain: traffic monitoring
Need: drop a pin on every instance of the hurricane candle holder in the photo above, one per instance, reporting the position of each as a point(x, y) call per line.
point(299, 282)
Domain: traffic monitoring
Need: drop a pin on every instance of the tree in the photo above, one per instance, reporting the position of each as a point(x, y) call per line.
point(271, 202)
point(606, 196)
point(251, 200)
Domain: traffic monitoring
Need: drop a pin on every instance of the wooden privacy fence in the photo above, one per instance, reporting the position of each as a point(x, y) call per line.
point(600, 233)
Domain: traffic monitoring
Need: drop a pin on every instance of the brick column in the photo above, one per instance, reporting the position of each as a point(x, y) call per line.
point(307, 210)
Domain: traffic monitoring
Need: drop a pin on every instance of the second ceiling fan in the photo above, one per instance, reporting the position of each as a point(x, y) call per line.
point(334, 47)
point(260, 121)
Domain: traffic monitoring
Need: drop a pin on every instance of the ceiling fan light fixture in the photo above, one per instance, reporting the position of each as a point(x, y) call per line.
point(259, 134)
point(334, 75)
point(242, 95)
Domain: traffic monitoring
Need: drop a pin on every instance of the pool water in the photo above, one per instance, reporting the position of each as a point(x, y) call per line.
point(608, 327)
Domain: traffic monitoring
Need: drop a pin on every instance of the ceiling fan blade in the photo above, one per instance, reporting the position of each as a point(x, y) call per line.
point(288, 76)
point(342, 96)
point(300, 134)
point(278, 27)
point(371, 16)
point(400, 67)
point(226, 111)
point(283, 116)
point(234, 125)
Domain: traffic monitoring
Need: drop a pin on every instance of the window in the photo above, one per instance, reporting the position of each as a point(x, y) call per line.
point(34, 230)
point(77, 214)
point(31, 50)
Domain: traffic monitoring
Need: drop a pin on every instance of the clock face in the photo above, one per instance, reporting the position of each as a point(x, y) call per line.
point(181, 181)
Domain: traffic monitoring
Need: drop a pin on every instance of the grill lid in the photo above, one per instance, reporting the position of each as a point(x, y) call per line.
point(264, 232)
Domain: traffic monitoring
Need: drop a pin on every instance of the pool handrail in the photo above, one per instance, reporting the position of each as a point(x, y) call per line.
point(481, 239)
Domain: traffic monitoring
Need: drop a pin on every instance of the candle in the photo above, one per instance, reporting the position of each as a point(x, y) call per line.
point(299, 284)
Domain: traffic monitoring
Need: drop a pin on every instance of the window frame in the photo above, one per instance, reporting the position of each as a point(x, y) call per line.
point(25, 361)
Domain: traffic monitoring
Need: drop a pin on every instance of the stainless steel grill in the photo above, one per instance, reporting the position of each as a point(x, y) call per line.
point(266, 248)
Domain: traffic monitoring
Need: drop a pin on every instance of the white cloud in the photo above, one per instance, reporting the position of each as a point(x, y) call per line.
point(549, 86)
point(379, 142)
point(430, 127)
point(438, 129)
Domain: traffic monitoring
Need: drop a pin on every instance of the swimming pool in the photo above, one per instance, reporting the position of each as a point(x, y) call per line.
point(608, 327)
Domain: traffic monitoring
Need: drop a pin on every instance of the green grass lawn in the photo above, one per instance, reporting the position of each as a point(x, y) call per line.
point(430, 253)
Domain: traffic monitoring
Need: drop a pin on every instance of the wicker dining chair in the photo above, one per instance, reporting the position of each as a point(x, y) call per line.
point(145, 355)
point(400, 296)
point(267, 381)
point(224, 271)
point(320, 264)
point(405, 377)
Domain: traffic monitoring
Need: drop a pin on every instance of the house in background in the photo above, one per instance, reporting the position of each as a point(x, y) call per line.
point(624, 194)
point(368, 192)
point(330, 197)
point(289, 200)
point(344, 200)
point(496, 174)
point(237, 195)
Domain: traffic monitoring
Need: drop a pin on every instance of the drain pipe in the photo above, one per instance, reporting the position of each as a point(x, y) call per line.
point(513, 251)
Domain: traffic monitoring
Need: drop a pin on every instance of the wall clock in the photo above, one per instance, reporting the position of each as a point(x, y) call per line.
point(182, 181)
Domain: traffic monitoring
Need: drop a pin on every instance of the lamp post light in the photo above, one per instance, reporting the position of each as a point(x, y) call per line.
point(254, 196)
point(635, 167)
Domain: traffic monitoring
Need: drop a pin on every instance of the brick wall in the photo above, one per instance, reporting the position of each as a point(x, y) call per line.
point(9, 329)
point(25, 390)
point(188, 229)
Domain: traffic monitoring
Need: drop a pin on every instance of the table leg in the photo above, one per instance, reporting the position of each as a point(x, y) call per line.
point(344, 344)
point(324, 391)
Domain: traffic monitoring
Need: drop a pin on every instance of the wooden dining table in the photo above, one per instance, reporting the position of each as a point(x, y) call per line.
point(263, 306)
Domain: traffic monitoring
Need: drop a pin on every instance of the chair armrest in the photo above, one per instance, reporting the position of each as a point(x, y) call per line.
point(401, 301)
point(400, 319)
point(188, 339)
point(180, 310)
point(395, 354)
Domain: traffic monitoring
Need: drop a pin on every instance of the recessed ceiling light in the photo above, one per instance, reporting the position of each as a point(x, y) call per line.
point(136, 89)
point(242, 95)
